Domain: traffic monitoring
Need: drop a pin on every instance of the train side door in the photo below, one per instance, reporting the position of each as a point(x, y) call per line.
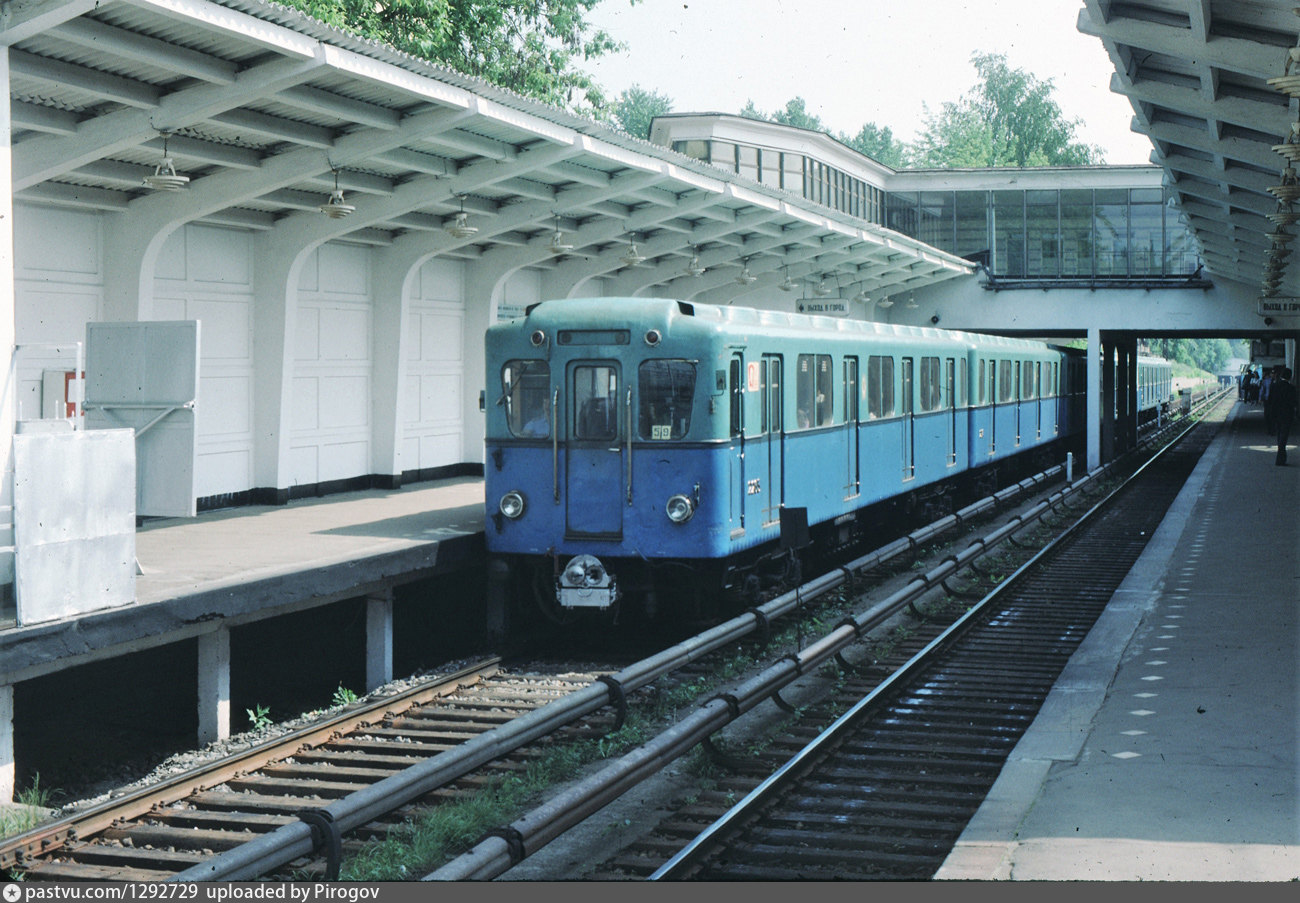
point(853, 484)
point(950, 400)
point(909, 425)
point(736, 417)
point(773, 416)
point(594, 465)
point(1015, 400)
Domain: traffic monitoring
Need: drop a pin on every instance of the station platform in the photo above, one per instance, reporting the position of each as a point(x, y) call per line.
point(1167, 751)
point(243, 564)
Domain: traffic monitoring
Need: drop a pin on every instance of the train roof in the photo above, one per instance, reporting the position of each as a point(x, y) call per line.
point(620, 308)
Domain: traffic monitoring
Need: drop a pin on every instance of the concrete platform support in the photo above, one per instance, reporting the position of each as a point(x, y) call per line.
point(1093, 403)
point(7, 743)
point(379, 639)
point(214, 686)
point(1107, 399)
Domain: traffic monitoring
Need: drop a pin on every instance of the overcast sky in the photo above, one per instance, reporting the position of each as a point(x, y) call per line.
point(859, 61)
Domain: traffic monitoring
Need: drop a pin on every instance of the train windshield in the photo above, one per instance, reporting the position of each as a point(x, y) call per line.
point(524, 387)
point(665, 389)
point(595, 399)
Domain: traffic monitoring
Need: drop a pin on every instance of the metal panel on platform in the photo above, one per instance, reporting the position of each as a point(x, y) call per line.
point(74, 520)
point(145, 376)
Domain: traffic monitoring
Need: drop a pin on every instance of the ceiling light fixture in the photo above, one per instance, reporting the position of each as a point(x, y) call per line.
point(164, 177)
point(558, 244)
point(633, 257)
point(822, 289)
point(460, 227)
point(788, 284)
point(862, 297)
point(336, 207)
point(694, 268)
point(911, 301)
point(746, 277)
point(885, 302)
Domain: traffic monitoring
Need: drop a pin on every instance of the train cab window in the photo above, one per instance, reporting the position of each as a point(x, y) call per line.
point(595, 399)
point(1006, 388)
point(524, 389)
point(665, 392)
point(880, 386)
point(813, 390)
point(930, 384)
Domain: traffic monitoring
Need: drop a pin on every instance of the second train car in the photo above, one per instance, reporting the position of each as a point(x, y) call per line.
point(641, 452)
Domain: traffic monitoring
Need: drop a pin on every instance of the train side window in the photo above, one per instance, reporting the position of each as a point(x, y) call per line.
point(949, 383)
point(524, 389)
point(880, 386)
point(850, 390)
point(1006, 388)
point(1028, 383)
point(770, 380)
point(907, 385)
point(595, 401)
point(813, 399)
point(983, 391)
point(666, 391)
point(962, 399)
point(930, 385)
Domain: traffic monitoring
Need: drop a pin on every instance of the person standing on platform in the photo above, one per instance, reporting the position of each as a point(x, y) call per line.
point(1284, 400)
point(1264, 383)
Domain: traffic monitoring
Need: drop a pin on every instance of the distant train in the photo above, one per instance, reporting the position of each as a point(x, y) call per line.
point(644, 453)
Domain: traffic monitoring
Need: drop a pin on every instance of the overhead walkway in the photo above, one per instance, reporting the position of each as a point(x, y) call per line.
point(1168, 749)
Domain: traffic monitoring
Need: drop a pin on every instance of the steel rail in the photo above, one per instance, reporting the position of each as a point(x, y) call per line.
point(49, 837)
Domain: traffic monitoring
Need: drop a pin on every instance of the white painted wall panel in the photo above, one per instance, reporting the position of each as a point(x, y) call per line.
point(205, 273)
point(333, 370)
point(431, 404)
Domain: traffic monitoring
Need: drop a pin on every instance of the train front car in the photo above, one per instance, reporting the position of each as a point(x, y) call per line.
point(602, 420)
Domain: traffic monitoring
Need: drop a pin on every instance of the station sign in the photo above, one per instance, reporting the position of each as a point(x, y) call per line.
point(832, 307)
point(1279, 307)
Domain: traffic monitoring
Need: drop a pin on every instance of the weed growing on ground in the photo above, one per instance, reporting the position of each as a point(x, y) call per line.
point(32, 803)
point(343, 696)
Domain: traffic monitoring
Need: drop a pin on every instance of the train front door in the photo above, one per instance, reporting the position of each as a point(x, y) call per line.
point(595, 469)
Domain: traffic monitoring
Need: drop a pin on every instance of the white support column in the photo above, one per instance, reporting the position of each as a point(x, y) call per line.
point(1093, 382)
point(214, 685)
point(8, 336)
point(7, 743)
point(379, 639)
point(394, 273)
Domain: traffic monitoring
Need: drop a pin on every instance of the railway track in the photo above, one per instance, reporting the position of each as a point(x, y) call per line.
point(156, 832)
point(273, 810)
point(887, 789)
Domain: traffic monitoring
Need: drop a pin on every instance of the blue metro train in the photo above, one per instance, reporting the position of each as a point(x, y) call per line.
point(640, 451)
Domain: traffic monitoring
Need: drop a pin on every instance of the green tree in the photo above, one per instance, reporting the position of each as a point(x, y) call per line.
point(532, 47)
point(1010, 118)
point(636, 108)
point(879, 144)
point(795, 114)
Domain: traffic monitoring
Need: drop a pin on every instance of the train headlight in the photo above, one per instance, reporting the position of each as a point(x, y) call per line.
point(680, 508)
point(512, 504)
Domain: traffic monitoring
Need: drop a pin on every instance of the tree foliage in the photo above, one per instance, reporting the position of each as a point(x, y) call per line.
point(1010, 118)
point(532, 47)
point(872, 140)
point(1207, 354)
point(636, 108)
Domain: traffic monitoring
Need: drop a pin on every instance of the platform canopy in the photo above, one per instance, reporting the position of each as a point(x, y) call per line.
point(1214, 84)
point(265, 115)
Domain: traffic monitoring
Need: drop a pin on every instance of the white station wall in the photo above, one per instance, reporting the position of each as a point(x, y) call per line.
point(432, 426)
point(206, 273)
